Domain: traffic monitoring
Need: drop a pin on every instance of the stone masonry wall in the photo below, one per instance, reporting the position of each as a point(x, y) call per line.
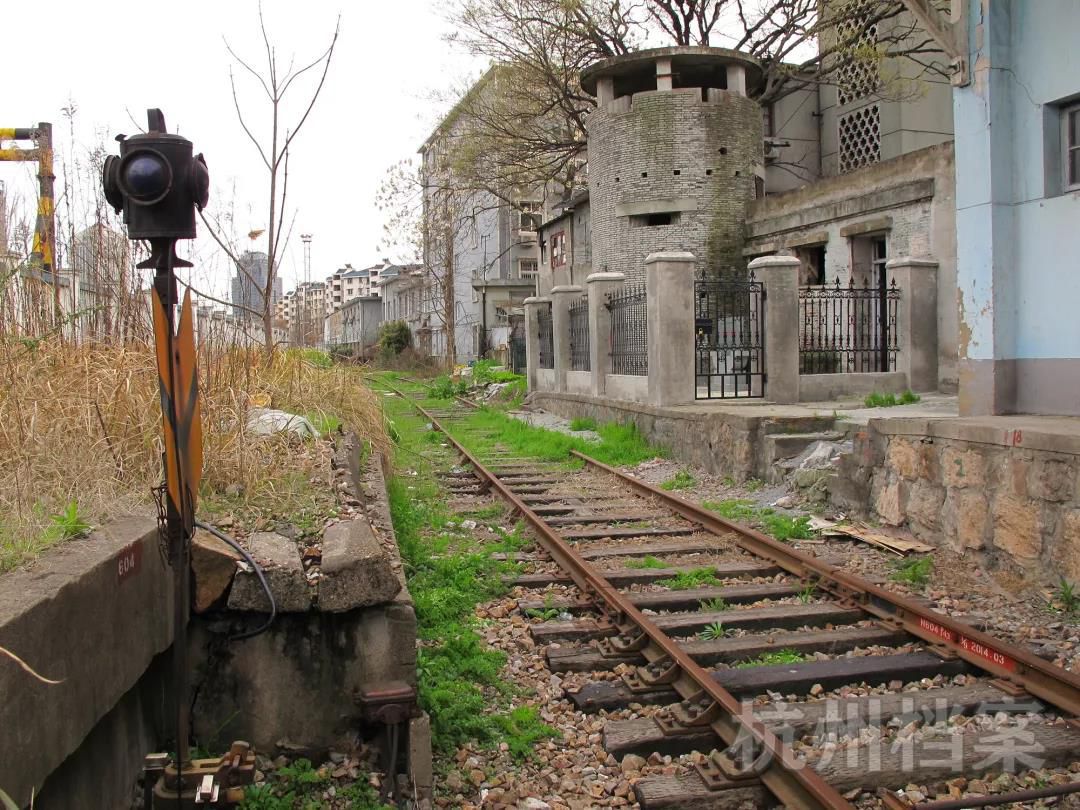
point(1009, 506)
point(671, 145)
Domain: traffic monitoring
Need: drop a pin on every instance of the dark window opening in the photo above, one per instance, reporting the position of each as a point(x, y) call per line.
point(677, 172)
point(708, 172)
point(759, 187)
point(652, 220)
point(723, 150)
point(644, 174)
point(703, 76)
point(813, 265)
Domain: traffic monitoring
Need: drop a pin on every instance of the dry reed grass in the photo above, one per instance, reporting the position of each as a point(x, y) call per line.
point(83, 424)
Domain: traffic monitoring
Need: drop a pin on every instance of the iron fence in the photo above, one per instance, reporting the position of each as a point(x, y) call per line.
point(579, 335)
point(629, 330)
point(848, 329)
point(729, 343)
point(546, 344)
point(517, 352)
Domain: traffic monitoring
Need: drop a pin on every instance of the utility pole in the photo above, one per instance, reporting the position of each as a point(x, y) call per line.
point(306, 328)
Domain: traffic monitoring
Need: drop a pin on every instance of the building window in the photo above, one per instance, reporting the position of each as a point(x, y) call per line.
point(558, 249)
point(653, 220)
point(1070, 139)
point(529, 215)
point(527, 268)
point(860, 138)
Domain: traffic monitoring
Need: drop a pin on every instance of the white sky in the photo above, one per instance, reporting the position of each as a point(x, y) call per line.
point(126, 55)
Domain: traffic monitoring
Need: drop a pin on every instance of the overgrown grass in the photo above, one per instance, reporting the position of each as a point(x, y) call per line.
point(913, 571)
point(715, 604)
point(685, 580)
point(772, 659)
point(582, 423)
point(460, 683)
point(301, 785)
point(83, 425)
point(713, 631)
point(619, 444)
point(782, 527)
point(681, 480)
point(647, 562)
point(1067, 596)
point(879, 400)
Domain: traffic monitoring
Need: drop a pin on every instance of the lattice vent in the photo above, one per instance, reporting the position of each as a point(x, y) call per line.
point(858, 76)
point(860, 138)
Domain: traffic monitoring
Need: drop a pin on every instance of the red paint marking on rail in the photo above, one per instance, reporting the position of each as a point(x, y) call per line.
point(937, 629)
point(129, 563)
point(989, 653)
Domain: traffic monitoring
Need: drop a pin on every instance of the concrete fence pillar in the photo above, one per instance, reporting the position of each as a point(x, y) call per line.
point(669, 291)
point(599, 285)
point(532, 339)
point(780, 277)
point(916, 320)
point(562, 297)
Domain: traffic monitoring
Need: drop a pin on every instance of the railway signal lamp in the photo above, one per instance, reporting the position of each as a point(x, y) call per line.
point(157, 181)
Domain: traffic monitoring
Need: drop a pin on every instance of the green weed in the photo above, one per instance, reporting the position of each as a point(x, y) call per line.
point(686, 580)
point(549, 611)
point(67, 524)
point(1067, 596)
point(522, 729)
point(681, 480)
point(914, 571)
point(715, 604)
point(486, 512)
point(582, 423)
point(713, 631)
point(733, 508)
point(807, 593)
point(772, 659)
point(879, 400)
point(784, 527)
point(909, 397)
point(647, 562)
point(445, 388)
point(754, 484)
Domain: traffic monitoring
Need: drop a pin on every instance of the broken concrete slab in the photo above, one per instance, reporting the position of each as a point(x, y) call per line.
point(356, 570)
point(284, 573)
point(213, 565)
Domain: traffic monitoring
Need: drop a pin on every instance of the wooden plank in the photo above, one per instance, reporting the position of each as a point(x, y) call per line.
point(790, 720)
point(643, 531)
point(690, 599)
point(706, 544)
point(730, 650)
point(783, 678)
point(786, 616)
point(601, 517)
point(622, 577)
point(923, 760)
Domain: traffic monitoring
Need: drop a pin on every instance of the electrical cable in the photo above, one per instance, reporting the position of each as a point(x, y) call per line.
point(258, 572)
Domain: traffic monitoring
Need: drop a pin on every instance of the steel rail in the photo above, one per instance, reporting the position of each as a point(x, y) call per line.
point(794, 784)
point(1041, 679)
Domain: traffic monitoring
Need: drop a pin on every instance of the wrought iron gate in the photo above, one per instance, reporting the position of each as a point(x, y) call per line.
point(729, 324)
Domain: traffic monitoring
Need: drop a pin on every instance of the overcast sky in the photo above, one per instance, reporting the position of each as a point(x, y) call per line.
point(111, 58)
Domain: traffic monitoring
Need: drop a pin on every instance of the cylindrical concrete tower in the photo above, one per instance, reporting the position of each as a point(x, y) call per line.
point(675, 156)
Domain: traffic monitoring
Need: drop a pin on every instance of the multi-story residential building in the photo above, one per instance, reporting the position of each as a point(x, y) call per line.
point(249, 284)
point(481, 251)
point(348, 283)
point(354, 327)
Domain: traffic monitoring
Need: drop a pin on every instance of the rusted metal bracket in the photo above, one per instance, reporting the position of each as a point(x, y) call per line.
point(659, 673)
point(731, 765)
point(208, 782)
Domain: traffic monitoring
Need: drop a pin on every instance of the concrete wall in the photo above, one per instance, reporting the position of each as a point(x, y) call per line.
point(1005, 492)
point(627, 387)
point(92, 614)
point(672, 151)
point(722, 443)
point(545, 379)
point(579, 382)
point(910, 200)
point(827, 387)
point(1019, 334)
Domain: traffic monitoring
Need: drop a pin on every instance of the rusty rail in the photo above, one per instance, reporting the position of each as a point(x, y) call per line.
point(791, 781)
point(1043, 680)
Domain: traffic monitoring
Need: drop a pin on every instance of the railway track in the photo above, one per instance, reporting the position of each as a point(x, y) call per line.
point(772, 660)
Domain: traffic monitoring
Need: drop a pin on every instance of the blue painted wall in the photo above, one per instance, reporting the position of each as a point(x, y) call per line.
point(1018, 239)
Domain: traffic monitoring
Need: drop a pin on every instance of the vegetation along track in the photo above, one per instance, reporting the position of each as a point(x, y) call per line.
point(745, 647)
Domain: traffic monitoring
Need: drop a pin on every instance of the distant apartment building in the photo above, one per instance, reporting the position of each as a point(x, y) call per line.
point(354, 328)
point(348, 283)
point(249, 284)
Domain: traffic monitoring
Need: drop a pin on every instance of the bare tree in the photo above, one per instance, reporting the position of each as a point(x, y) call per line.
point(275, 80)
